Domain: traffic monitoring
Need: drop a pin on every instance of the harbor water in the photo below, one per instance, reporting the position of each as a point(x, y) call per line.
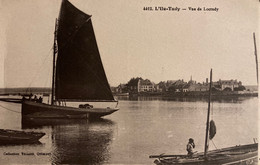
point(143, 126)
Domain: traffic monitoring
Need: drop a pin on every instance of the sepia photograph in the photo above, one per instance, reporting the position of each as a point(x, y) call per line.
point(164, 82)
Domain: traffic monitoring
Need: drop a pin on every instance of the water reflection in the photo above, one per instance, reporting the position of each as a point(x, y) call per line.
point(30, 123)
point(82, 143)
point(76, 141)
point(143, 126)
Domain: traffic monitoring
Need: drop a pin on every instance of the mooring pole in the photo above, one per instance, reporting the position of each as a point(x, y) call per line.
point(207, 126)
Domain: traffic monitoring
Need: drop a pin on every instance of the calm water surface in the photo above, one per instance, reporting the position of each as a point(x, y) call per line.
point(142, 127)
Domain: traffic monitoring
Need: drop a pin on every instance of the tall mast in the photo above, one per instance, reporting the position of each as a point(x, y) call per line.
point(207, 127)
point(53, 67)
point(256, 58)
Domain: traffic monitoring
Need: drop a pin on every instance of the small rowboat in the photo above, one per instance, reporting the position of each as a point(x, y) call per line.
point(19, 137)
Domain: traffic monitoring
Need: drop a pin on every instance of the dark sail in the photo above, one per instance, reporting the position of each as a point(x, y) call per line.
point(79, 71)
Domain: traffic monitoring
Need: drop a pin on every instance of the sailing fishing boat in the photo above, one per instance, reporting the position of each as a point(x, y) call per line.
point(78, 73)
point(241, 154)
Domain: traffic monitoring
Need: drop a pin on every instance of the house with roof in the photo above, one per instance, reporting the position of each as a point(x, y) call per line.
point(161, 86)
point(228, 84)
point(121, 88)
point(178, 86)
point(198, 87)
point(136, 85)
point(145, 86)
point(132, 85)
point(173, 83)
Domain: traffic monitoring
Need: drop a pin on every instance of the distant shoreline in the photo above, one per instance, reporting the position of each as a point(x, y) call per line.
point(219, 94)
point(24, 91)
point(193, 94)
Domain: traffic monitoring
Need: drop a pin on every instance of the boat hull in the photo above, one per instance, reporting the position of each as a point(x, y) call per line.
point(238, 155)
point(32, 109)
point(19, 137)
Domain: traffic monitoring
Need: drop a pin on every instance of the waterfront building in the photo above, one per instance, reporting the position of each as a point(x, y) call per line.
point(228, 84)
point(164, 86)
point(145, 86)
point(132, 85)
point(178, 86)
point(198, 87)
point(137, 85)
point(121, 88)
point(161, 86)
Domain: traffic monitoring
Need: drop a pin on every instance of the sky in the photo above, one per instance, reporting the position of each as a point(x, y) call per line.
point(155, 45)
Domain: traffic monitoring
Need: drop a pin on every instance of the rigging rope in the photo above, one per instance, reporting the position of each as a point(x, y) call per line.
point(9, 109)
point(214, 144)
point(48, 80)
point(41, 67)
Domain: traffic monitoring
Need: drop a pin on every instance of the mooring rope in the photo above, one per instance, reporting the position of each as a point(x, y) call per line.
point(9, 109)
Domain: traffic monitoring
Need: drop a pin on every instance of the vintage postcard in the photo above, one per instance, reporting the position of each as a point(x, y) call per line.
point(163, 82)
